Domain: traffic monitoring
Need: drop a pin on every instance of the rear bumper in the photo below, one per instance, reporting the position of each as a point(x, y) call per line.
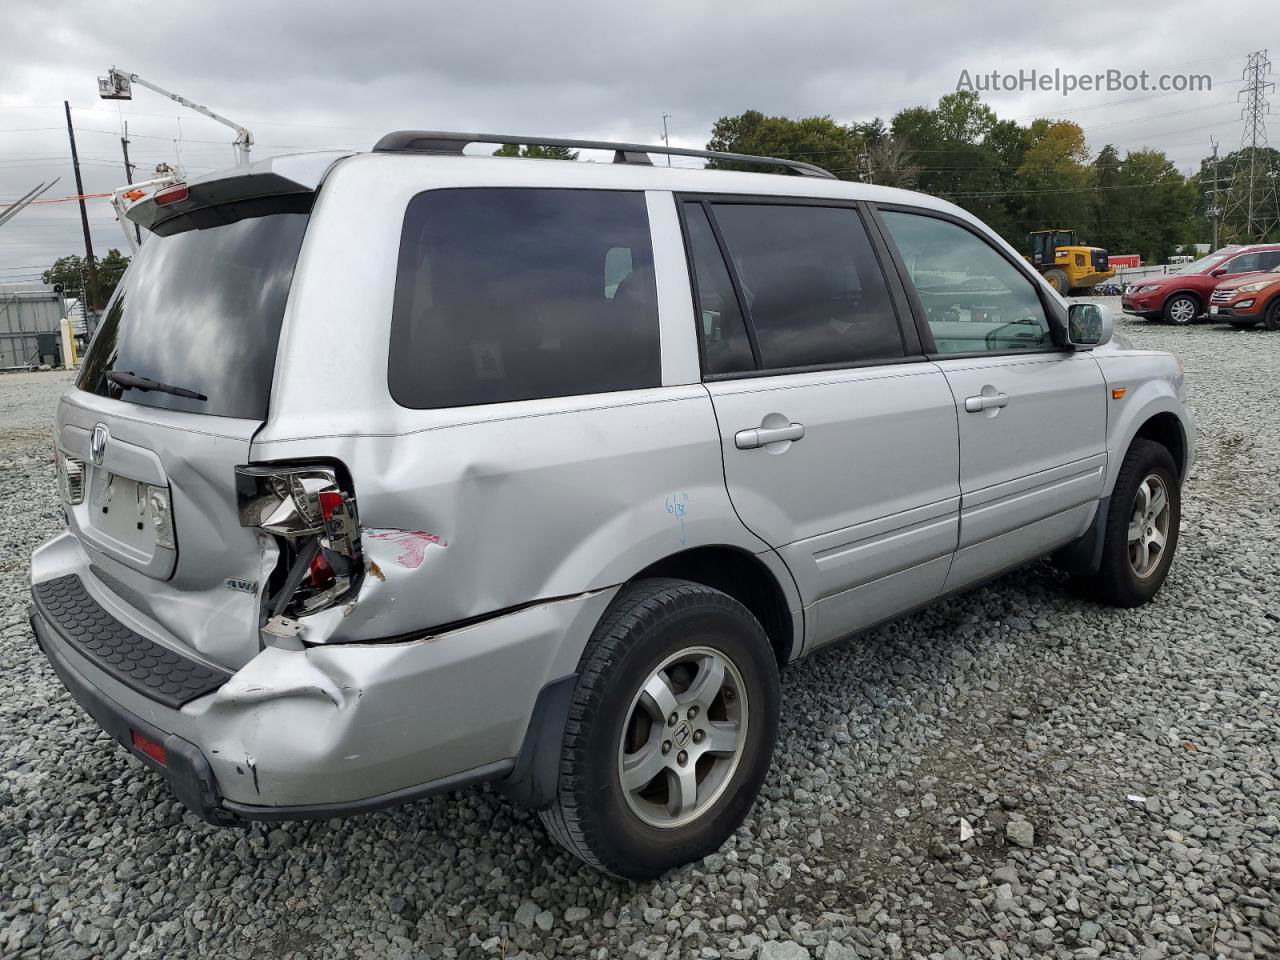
point(186, 768)
point(341, 728)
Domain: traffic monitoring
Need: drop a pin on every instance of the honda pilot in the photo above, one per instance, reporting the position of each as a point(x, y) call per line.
point(391, 472)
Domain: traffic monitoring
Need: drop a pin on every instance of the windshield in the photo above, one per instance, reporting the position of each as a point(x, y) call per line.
point(1204, 264)
point(200, 309)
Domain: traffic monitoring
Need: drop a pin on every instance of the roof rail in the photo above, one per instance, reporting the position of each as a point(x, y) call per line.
point(444, 142)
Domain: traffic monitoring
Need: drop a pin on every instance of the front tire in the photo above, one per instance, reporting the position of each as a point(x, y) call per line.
point(1272, 321)
point(670, 732)
point(1143, 520)
point(1181, 309)
point(1059, 280)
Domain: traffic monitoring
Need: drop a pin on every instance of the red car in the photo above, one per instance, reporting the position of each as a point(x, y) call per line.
point(1246, 300)
point(1183, 296)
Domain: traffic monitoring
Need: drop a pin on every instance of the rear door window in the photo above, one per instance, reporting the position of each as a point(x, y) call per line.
point(814, 291)
point(515, 294)
point(201, 309)
point(725, 346)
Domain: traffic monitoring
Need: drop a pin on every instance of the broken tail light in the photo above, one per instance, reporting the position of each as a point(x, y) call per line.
point(70, 477)
point(161, 510)
point(301, 505)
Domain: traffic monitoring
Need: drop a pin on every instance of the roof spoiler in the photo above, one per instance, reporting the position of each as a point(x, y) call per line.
point(298, 174)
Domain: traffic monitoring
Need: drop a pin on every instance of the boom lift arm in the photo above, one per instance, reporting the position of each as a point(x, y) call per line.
point(118, 85)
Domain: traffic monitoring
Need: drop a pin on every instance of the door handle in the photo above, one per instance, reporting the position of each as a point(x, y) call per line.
point(759, 436)
point(985, 402)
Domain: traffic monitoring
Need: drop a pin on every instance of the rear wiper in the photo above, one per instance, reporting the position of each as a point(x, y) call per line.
point(131, 381)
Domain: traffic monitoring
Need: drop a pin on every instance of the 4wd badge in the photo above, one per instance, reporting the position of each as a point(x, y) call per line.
point(243, 586)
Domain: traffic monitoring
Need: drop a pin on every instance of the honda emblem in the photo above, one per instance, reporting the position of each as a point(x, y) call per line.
point(98, 443)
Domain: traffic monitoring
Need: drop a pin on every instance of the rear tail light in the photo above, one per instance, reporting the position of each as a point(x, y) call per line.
point(321, 574)
point(171, 194)
point(70, 477)
point(302, 504)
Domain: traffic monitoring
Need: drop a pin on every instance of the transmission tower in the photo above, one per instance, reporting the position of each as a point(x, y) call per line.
point(1252, 211)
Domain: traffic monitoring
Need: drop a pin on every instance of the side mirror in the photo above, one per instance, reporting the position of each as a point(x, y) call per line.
point(1088, 325)
point(1221, 271)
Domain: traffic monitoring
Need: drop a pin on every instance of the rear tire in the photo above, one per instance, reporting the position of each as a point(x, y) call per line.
point(1181, 309)
point(1058, 280)
point(681, 651)
point(1145, 510)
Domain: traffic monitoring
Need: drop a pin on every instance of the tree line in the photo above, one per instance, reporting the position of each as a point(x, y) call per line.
point(1017, 177)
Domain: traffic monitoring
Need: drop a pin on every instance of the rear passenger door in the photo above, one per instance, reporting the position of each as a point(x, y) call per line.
point(1032, 414)
point(839, 439)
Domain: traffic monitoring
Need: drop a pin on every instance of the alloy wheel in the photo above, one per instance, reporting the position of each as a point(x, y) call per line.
point(683, 738)
point(1182, 310)
point(1149, 526)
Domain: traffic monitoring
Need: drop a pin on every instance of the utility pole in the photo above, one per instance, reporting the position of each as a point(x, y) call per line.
point(1215, 211)
point(92, 297)
point(128, 171)
point(666, 142)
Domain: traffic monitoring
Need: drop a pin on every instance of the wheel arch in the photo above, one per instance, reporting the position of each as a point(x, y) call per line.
point(750, 580)
point(1193, 294)
point(1166, 429)
point(1084, 556)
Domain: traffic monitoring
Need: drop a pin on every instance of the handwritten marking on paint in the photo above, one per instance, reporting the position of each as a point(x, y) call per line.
point(413, 544)
point(678, 507)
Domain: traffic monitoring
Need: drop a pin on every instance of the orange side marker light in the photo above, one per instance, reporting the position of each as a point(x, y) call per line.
point(1118, 393)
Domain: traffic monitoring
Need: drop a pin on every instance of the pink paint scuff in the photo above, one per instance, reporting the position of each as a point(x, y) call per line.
point(413, 544)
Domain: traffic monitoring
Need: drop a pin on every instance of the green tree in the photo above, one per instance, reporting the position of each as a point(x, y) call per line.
point(536, 152)
point(1016, 178)
point(965, 154)
point(1154, 206)
point(70, 271)
point(1054, 179)
point(817, 140)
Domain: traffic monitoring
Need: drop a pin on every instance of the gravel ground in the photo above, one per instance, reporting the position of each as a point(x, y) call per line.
point(1118, 771)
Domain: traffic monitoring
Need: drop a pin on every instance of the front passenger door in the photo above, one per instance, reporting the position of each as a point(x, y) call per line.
point(1032, 415)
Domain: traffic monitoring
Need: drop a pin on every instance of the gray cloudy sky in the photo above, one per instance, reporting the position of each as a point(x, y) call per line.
point(321, 74)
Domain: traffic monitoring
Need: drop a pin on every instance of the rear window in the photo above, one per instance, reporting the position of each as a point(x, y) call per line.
point(200, 309)
point(515, 294)
point(815, 294)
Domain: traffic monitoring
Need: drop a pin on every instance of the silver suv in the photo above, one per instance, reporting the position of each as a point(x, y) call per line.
point(392, 472)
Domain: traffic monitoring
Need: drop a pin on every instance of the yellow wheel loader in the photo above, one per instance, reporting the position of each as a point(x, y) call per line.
point(1069, 267)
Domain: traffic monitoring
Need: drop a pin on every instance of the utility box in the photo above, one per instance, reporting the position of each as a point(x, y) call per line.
point(27, 311)
point(48, 350)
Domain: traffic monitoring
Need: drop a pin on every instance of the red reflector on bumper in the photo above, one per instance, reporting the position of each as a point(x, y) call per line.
point(150, 747)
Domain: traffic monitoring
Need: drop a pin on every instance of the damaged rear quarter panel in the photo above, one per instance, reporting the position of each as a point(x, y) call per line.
point(505, 503)
point(477, 510)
